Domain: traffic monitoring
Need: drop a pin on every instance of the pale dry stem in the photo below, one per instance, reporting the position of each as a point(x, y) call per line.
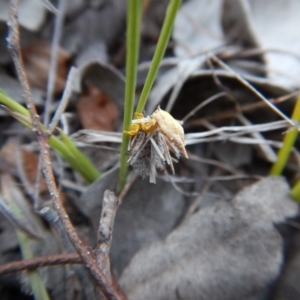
point(53, 60)
point(110, 206)
point(252, 89)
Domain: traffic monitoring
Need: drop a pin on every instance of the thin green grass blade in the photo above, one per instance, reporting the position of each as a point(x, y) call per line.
point(82, 164)
point(38, 288)
point(132, 54)
point(75, 158)
point(288, 143)
point(159, 52)
point(295, 192)
point(13, 105)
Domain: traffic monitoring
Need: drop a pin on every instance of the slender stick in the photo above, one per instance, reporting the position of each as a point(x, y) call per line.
point(110, 205)
point(202, 104)
point(109, 290)
point(15, 50)
point(43, 261)
point(64, 100)
point(58, 24)
point(252, 89)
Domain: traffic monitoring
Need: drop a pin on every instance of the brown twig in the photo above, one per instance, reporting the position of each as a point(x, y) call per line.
point(110, 205)
point(50, 88)
point(109, 290)
point(43, 261)
point(14, 48)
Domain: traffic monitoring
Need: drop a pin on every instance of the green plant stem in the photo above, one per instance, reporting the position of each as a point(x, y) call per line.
point(295, 192)
point(159, 52)
point(13, 105)
point(38, 288)
point(133, 28)
point(288, 143)
point(85, 167)
point(66, 149)
point(132, 50)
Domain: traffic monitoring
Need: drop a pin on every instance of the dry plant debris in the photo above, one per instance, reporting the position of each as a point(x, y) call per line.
point(232, 249)
point(153, 138)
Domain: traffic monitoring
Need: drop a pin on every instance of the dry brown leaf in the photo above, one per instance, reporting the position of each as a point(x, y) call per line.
point(37, 63)
point(29, 159)
point(228, 250)
point(96, 110)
